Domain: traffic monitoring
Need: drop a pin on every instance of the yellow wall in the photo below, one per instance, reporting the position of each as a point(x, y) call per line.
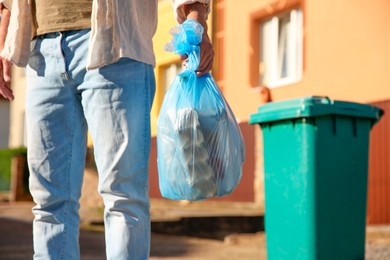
point(166, 20)
point(346, 52)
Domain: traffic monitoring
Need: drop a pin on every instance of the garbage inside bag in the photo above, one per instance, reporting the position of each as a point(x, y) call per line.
point(200, 149)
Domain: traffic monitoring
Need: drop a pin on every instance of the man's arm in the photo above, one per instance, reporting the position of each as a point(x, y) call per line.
point(5, 66)
point(198, 12)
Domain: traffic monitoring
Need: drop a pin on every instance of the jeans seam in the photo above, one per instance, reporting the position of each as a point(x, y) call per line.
point(70, 154)
point(61, 37)
point(147, 138)
point(146, 104)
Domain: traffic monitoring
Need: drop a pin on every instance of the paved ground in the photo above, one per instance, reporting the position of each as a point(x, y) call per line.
point(235, 238)
point(16, 237)
point(16, 241)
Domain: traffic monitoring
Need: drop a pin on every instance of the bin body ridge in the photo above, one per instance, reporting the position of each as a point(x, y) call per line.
point(289, 189)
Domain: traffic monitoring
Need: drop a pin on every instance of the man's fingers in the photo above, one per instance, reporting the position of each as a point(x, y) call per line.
point(5, 66)
point(183, 56)
point(206, 62)
point(204, 69)
point(6, 91)
point(5, 82)
point(7, 71)
point(206, 56)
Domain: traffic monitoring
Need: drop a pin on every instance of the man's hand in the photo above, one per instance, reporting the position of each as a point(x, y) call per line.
point(5, 66)
point(5, 79)
point(197, 11)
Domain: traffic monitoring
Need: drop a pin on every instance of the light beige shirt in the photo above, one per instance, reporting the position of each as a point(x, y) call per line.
point(119, 28)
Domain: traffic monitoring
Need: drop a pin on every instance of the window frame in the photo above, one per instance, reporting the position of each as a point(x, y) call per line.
point(272, 55)
point(273, 9)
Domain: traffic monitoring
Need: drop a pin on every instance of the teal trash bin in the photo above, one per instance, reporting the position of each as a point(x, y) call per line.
point(315, 170)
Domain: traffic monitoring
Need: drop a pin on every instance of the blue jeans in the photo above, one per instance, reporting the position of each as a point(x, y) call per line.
point(63, 101)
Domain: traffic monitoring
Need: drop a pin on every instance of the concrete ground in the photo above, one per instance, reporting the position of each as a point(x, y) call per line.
point(180, 230)
point(16, 241)
point(183, 242)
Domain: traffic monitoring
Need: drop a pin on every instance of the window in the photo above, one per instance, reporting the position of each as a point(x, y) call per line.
point(281, 49)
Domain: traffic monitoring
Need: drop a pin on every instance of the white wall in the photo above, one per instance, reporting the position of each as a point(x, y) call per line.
point(4, 125)
point(17, 120)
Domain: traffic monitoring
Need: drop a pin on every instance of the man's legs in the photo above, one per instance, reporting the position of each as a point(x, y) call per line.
point(56, 131)
point(117, 101)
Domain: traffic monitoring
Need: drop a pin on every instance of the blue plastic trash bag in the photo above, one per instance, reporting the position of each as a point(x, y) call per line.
point(200, 149)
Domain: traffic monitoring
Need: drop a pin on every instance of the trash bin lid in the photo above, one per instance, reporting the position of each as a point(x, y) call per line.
point(313, 106)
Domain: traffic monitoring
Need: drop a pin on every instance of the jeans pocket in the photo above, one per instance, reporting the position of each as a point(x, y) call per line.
point(33, 44)
point(36, 59)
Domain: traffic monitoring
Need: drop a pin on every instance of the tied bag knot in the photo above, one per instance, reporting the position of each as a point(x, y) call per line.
point(185, 41)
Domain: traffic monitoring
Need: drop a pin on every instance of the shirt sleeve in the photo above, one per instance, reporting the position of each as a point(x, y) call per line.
point(7, 3)
point(179, 13)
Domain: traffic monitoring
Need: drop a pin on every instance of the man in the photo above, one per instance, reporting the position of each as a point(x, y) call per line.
point(90, 64)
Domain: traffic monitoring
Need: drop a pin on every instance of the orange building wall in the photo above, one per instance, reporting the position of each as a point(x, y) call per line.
point(378, 206)
point(346, 52)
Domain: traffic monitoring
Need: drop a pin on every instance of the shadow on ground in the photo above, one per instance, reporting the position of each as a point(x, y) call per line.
point(16, 241)
point(209, 227)
point(16, 244)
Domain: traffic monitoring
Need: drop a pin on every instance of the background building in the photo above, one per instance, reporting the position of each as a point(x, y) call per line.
point(299, 48)
point(296, 48)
